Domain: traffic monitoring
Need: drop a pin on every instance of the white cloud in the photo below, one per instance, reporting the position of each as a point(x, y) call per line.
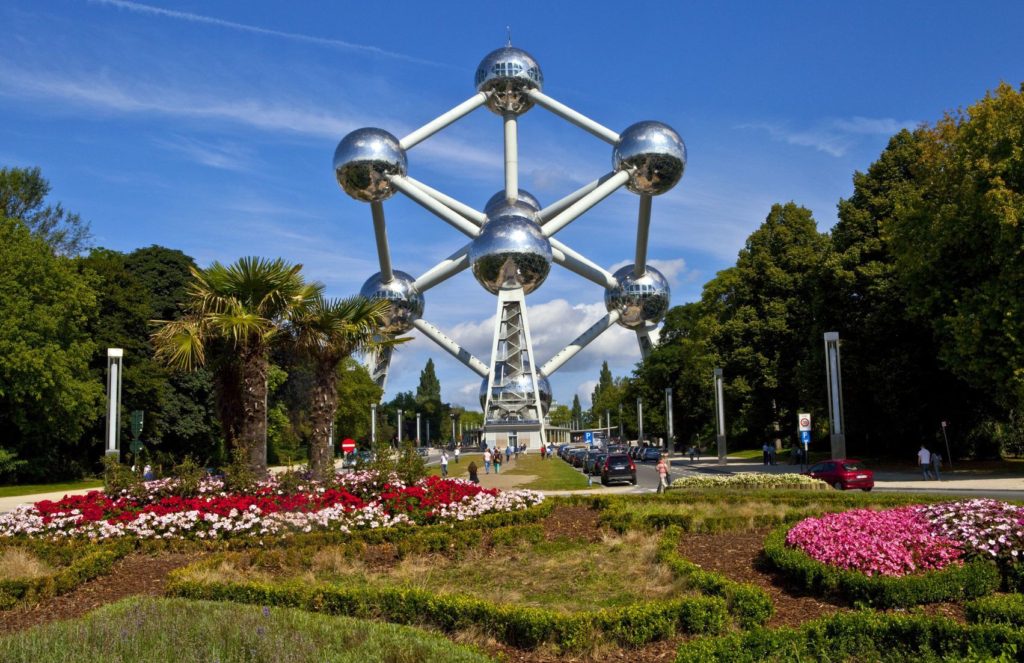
point(223, 155)
point(585, 390)
point(834, 137)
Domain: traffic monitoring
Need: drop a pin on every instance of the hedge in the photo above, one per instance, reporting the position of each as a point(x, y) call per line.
point(862, 636)
point(997, 609)
point(94, 560)
point(519, 626)
point(750, 605)
point(953, 583)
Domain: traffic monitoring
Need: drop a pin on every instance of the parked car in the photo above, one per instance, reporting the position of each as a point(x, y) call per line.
point(649, 454)
point(617, 449)
point(358, 458)
point(843, 474)
point(592, 464)
point(618, 467)
point(423, 451)
point(577, 456)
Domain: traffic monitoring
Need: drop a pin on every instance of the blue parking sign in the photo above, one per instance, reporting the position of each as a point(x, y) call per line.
point(588, 437)
point(805, 437)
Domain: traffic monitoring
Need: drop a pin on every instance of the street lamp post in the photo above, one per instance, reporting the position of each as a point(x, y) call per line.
point(668, 418)
point(639, 421)
point(417, 429)
point(837, 422)
point(620, 423)
point(399, 426)
point(720, 416)
point(373, 424)
point(115, 365)
point(451, 415)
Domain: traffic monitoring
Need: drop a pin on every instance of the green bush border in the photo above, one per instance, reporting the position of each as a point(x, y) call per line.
point(862, 635)
point(79, 568)
point(954, 583)
point(996, 609)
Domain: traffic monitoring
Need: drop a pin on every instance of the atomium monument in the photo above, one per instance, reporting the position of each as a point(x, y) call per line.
point(511, 242)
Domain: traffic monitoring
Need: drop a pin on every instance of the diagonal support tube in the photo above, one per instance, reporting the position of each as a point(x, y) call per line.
point(443, 270)
point(579, 264)
point(579, 119)
point(643, 227)
point(648, 338)
point(559, 206)
point(461, 208)
point(418, 196)
point(584, 339)
point(451, 347)
point(577, 209)
point(381, 235)
point(443, 120)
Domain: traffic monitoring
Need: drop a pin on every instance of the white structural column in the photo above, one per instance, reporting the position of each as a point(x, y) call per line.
point(443, 270)
point(443, 120)
point(643, 227)
point(579, 119)
point(579, 264)
point(511, 158)
point(648, 337)
point(584, 339)
point(380, 361)
point(450, 346)
point(577, 209)
point(472, 215)
point(508, 405)
point(381, 234)
point(420, 197)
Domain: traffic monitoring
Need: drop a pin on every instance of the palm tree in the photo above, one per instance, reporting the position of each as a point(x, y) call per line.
point(244, 305)
point(328, 331)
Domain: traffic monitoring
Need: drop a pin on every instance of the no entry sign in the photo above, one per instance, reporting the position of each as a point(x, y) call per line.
point(348, 445)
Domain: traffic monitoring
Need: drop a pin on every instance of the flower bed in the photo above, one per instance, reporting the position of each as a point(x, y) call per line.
point(358, 500)
point(751, 480)
point(985, 527)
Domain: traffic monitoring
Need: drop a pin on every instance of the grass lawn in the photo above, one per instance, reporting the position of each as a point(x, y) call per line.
point(17, 491)
point(551, 474)
point(153, 629)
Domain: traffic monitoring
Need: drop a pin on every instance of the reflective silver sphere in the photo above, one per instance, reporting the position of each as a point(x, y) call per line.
point(641, 301)
point(657, 154)
point(406, 301)
point(363, 161)
point(507, 73)
point(498, 200)
point(510, 252)
point(522, 387)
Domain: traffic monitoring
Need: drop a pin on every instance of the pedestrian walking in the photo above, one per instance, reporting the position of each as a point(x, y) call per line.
point(473, 470)
point(508, 453)
point(662, 475)
point(937, 465)
point(764, 453)
point(444, 463)
point(924, 459)
point(457, 455)
point(497, 461)
point(487, 461)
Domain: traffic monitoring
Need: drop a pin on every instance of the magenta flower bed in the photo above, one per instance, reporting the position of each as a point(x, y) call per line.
point(988, 528)
point(894, 542)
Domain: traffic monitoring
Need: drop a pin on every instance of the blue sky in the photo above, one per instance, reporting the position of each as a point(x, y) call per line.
point(210, 127)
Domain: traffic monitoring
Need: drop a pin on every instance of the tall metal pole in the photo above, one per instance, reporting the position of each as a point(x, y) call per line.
point(720, 416)
point(608, 425)
point(417, 429)
point(620, 423)
point(836, 420)
point(428, 432)
point(399, 426)
point(668, 418)
point(639, 421)
point(451, 415)
point(373, 424)
point(115, 362)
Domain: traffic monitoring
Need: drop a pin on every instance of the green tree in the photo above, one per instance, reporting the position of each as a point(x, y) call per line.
point(47, 395)
point(23, 193)
point(356, 392)
point(428, 401)
point(560, 415)
point(577, 410)
point(244, 305)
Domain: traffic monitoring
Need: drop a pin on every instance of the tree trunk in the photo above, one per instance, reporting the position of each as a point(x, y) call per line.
point(324, 406)
point(253, 431)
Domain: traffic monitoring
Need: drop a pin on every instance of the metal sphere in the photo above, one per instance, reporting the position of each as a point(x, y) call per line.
point(406, 301)
point(507, 73)
point(522, 387)
point(640, 300)
point(363, 161)
point(510, 252)
point(498, 201)
point(656, 154)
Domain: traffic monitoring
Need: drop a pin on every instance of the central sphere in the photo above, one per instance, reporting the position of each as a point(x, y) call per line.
point(510, 252)
point(363, 161)
point(507, 73)
point(656, 154)
point(406, 301)
point(521, 386)
point(640, 300)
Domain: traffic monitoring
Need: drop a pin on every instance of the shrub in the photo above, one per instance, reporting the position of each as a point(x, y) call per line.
point(751, 481)
point(239, 476)
point(973, 579)
point(118, 478)
point(188, 476)
point(997, 609)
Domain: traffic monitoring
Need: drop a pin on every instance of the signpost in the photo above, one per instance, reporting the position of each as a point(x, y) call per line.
point(804, 426)
point(348, 445)
point(945, 437)
point(136, 443)
point(588, 437)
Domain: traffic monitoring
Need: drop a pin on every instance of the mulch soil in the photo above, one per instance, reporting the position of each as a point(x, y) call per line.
point(133, 575)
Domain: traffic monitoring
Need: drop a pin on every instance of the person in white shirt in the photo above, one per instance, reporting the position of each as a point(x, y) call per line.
point(456, 455)
point(487, 461)
point(924, 459)
point(444, 463)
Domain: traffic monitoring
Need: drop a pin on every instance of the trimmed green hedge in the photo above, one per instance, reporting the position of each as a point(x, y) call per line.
point(997, 609)
point(862, 636)
point(518, 626)
point(750, 605)
point(81, 563)
point(954, 583)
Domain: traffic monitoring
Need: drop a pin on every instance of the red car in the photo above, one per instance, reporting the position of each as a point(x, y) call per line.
point(843, 474)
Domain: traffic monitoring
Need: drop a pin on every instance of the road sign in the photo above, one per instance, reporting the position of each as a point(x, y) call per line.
point(805, 437)
point(804, 421)
point(588, 437)
point(348, 445)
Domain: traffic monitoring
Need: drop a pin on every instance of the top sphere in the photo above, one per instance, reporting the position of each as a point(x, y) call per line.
point(656, 154)
point(406, 301)
point(498, 201)
point(363, 161)
point(507, 73)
